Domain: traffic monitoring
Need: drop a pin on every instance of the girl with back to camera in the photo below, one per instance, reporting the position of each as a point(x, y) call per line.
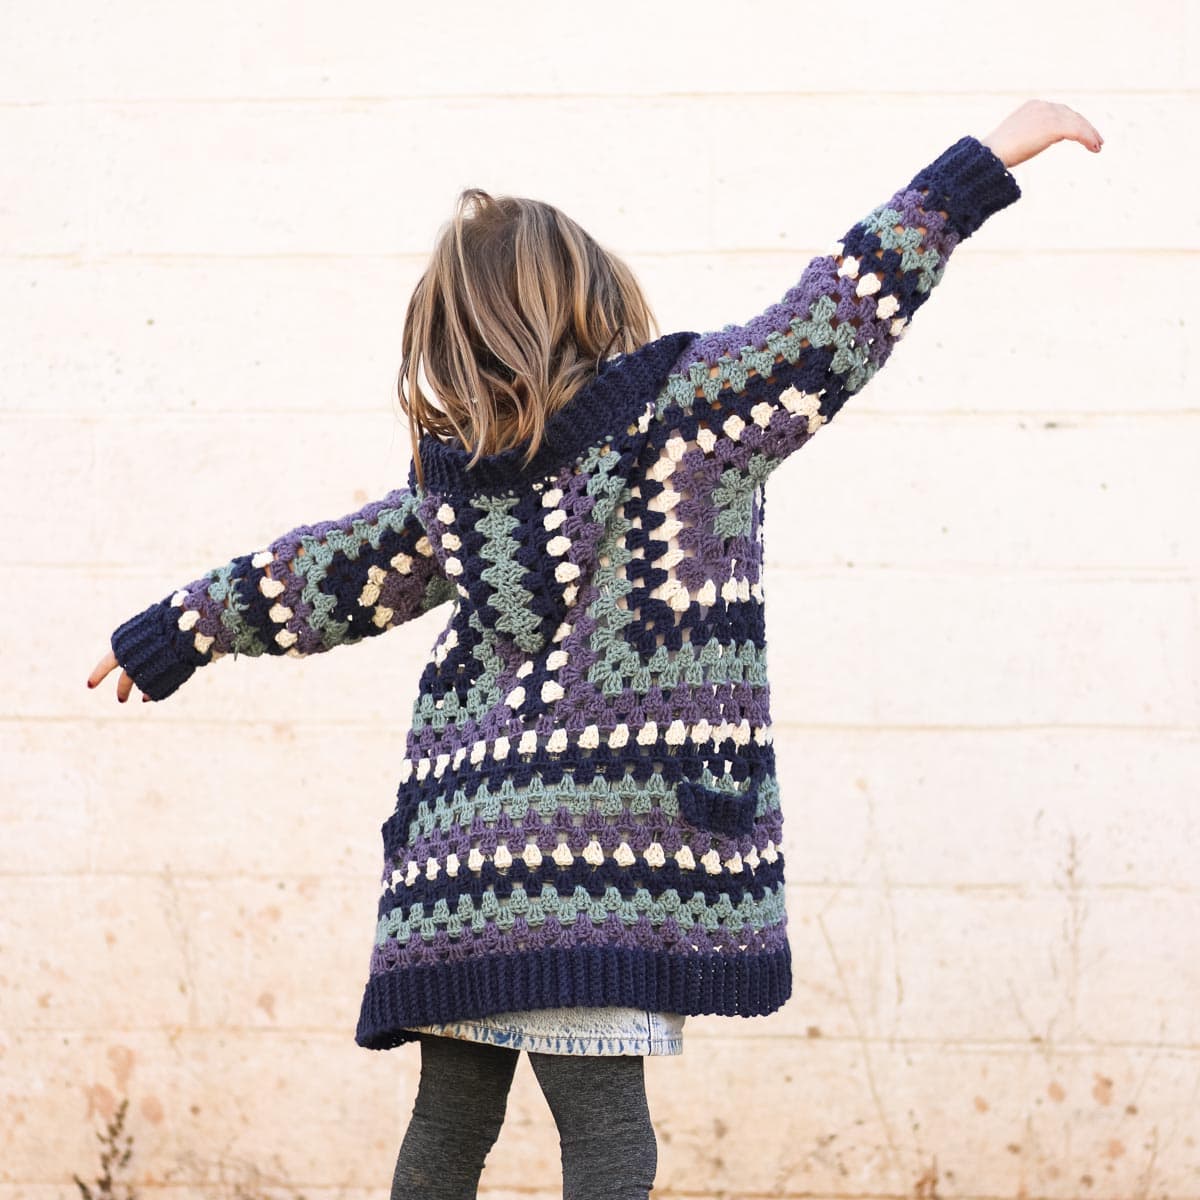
point(586, 843)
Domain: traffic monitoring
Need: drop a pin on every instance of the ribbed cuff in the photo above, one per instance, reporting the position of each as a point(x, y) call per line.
point(971, 181)
point(146, 648)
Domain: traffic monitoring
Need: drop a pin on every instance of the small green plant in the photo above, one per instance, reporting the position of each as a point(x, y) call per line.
point(112, 1156)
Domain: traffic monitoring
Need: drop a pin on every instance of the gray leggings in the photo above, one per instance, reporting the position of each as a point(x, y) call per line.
point(598, 1103)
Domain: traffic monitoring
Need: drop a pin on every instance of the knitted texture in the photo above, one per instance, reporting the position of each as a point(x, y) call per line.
point(588, 810)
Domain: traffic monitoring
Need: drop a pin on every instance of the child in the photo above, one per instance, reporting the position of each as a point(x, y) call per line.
point(586, 843)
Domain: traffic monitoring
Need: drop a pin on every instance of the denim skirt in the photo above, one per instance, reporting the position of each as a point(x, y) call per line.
point(572, 1030)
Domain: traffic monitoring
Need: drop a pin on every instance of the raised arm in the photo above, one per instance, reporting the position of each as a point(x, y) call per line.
point(314, 588)
point(769, 384)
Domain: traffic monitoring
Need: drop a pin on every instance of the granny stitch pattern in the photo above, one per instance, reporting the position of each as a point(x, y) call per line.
point(588, 810)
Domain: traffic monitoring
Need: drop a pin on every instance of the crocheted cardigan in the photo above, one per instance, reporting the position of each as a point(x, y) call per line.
point(588, 809)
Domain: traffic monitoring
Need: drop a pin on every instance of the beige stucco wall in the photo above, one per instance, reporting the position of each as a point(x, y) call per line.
point(984, 578)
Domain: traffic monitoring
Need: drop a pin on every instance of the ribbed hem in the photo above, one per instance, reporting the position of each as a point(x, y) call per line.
point(971, 181)
point(746, 985)
point(145, 646)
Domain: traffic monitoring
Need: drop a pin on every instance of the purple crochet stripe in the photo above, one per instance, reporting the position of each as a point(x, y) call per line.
point(693, 703)
point(391, 954)
point(688, 702)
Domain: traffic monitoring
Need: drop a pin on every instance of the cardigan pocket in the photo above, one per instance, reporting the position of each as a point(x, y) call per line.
point(719, 810)
point(395, 829)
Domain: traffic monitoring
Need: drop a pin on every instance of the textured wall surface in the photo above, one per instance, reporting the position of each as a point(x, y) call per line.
point(983, 585)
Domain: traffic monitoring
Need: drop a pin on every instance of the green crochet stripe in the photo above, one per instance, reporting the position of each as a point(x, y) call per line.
point(929, 265)
point(617, 664)
point(610, 798)
point(716, 662)
point(736, 495)
point(424, 921)
point(439, 590)
point(605, 484)
point(244, 637)
point(509, 596)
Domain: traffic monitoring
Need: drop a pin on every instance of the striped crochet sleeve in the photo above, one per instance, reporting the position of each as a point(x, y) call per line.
point(316, 587)
point(767, 386)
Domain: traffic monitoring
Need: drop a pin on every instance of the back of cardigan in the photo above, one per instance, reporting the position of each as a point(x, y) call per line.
point(588, 809)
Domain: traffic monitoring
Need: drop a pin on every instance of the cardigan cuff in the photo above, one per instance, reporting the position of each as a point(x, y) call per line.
point(146, 648)
point(969, 181)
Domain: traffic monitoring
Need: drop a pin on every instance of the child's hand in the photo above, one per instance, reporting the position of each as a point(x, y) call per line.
point(124, 683)
point(1036, 125)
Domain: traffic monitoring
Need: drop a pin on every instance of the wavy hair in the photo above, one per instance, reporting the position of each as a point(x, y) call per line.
point(515, 311)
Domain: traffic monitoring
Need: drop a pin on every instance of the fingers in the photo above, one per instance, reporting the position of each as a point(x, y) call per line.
point(1084, 132)
point(101, 669)
point(1079, 129)
point(124, 683)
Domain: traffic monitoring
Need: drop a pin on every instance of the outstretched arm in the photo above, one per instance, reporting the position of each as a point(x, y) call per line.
point(754, 393)
point(769, 384)
point(314, 588)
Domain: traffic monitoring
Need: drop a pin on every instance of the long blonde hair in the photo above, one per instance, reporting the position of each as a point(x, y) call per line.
point(515, 311)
